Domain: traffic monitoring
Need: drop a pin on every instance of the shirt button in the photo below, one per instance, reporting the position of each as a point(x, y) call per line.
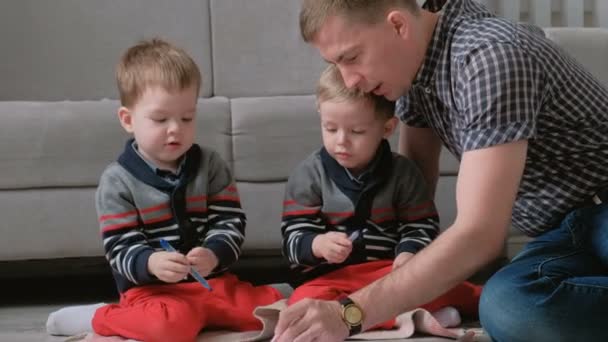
point(427, 90)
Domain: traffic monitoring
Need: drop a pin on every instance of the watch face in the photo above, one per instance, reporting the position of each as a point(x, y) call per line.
point(353, 315)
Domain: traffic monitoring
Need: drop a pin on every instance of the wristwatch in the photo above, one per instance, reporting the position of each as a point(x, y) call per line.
point(352, 315)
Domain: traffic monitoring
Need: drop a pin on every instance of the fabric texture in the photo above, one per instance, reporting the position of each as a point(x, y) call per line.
point(488, 81)
point(345, 281)
point(388, 206)
point(407, 324)
point(556, 289)
point(137, 208)
point(160, 313)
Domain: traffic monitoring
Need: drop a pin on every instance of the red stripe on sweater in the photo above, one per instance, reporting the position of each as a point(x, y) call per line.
point(129, 213)
point(341, 214)
point(382, 210)
point(196, 199)
point(158, 219)
point(224, 198)
point(418, 207)
point(384, 219)
point(300, 212)
point(119, 226)
point(197, 210)
point(115, 216)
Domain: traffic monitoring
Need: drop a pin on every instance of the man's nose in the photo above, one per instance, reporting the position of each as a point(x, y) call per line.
point(351, 78)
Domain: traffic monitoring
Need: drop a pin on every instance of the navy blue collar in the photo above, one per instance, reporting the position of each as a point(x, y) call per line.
point(376, 172)
point(168, 175)
point(132, 161)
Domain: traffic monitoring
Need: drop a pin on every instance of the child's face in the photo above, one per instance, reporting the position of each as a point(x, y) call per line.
point(352, 132)
point(163, 124)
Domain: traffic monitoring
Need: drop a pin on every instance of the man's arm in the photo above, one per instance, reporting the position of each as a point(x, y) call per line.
point(422, 146)
point(486, 190)
point(487, 186)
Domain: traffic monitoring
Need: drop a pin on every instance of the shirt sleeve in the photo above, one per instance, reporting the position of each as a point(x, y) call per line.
point(418, 221)
point(499, 90)
point(126, 247)
point(226, 224)
point(302, 220)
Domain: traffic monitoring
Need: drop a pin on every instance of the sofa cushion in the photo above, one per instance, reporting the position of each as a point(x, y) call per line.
point(58, 144)
point(67, 49)
point(49, 223)
point(272, 135)
point(263, 203)
point(264, 54)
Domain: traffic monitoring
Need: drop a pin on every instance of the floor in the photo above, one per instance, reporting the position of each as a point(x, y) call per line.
point(26, 304)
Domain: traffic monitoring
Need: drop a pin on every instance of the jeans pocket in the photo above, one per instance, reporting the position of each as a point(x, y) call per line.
point(576, 226)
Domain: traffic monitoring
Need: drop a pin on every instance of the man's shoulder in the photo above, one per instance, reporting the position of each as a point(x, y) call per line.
point(473, 36)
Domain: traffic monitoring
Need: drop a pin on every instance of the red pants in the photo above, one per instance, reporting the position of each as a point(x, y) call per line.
point(342, 282)
point(179, 312)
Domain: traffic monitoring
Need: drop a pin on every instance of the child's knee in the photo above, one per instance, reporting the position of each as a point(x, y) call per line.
point(170, 331)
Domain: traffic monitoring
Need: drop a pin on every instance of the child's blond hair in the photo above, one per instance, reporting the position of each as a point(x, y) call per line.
point(154, 63)
point(331, 87)
point(314, 13)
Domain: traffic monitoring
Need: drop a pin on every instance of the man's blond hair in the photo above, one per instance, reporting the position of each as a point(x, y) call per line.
point(314, 13)
point(331, 87)
point(154, 62)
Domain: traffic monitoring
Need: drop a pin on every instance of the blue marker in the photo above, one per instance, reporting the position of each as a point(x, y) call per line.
point(354, 235)
point(167, 246)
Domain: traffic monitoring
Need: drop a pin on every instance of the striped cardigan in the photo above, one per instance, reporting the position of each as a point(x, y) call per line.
point(136, 208)
point(389, 205)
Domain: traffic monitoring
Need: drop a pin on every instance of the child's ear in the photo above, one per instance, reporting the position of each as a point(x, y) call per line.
point(389, 126)
point(126, 117)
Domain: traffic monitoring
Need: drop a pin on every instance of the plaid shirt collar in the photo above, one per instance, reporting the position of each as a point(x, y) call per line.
point(426, 73)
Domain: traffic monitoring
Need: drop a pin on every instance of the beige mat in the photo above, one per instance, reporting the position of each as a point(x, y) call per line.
point(408, 323)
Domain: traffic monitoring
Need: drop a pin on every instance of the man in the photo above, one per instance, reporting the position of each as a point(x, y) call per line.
point(530, 127)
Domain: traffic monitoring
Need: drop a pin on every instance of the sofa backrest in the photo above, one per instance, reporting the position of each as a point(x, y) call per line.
point(58, 104)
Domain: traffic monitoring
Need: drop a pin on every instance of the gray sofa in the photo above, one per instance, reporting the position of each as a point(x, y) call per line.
point(59, 127)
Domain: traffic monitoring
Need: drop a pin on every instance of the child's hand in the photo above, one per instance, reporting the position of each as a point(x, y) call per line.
point(402, 259)
point(334, 247)
point(203, 260)
point(169, 267)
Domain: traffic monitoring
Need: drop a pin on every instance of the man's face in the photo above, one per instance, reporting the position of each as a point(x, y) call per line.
point(378, 58)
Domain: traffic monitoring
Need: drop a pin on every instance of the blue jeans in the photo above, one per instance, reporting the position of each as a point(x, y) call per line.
point(556, 289)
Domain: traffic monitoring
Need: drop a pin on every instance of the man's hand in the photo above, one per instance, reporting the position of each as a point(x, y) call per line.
point(401, 259)
point(311, 320)
point(334, 247)
point(203, 260)
point(169, 267)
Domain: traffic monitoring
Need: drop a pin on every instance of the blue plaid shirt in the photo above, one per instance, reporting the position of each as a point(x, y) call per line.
point(487, 81)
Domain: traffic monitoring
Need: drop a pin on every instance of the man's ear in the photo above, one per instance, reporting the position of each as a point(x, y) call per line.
point(126, 119)
point(389, 126)
point(399, 21)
